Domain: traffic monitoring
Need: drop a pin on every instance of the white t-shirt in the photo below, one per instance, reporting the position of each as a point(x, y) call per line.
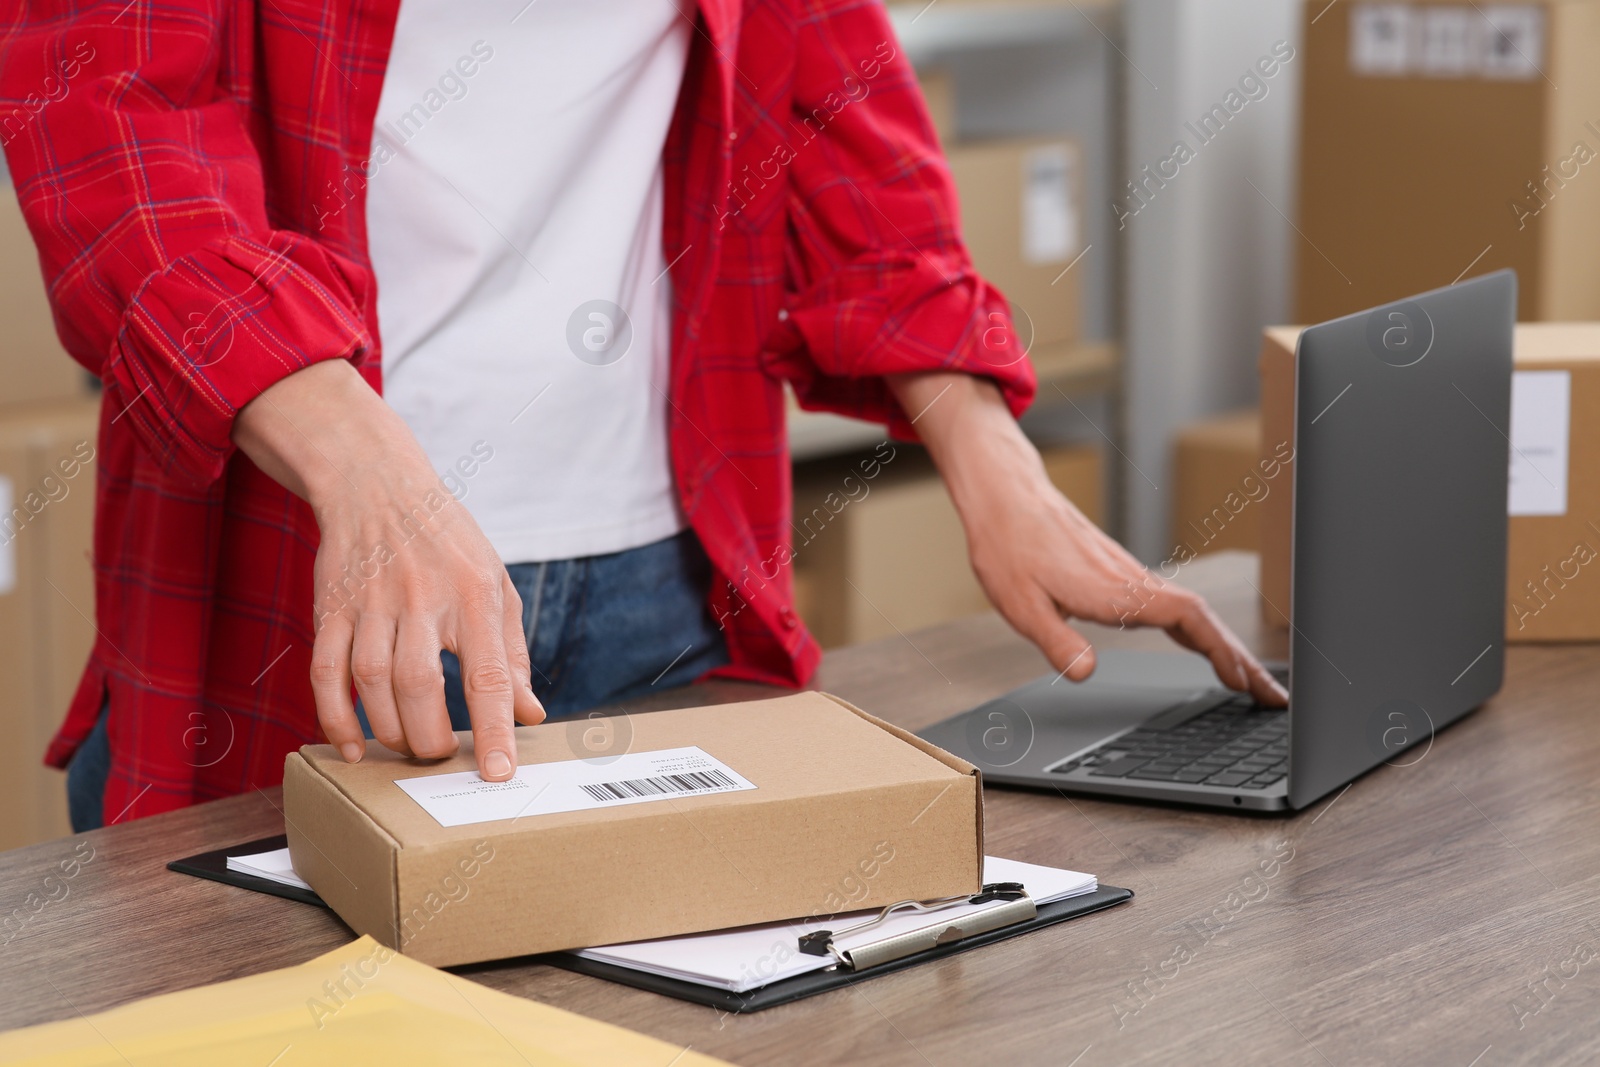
point(514, 202)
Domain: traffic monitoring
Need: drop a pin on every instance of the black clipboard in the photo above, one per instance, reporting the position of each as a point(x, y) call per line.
point(807, 985)
point(214, 866)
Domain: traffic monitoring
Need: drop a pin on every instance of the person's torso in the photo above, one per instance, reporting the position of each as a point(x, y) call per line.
point(514, 210)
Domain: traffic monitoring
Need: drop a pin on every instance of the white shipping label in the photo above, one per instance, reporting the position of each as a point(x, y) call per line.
point(1541, 411)
point(8, 540)
point(1049, 222)
point(463, 798)
point(1380, 39)
point(1513, 46)
point(1447, 41)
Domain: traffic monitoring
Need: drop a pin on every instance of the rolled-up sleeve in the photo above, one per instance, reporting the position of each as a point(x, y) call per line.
point(881, 282)
point(143, 190)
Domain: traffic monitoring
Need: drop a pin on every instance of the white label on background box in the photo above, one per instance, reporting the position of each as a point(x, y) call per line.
point(1049, 224)
point(1501, 41)
point(1513, 41)
point(8, 540)
point(463, 798)
point(1447, 41)
point(1380, 38)
point(1541, 411)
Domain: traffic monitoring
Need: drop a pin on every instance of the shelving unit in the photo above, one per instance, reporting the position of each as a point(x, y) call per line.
point(1079, 369)
point(931, 31)
point(1024, 68)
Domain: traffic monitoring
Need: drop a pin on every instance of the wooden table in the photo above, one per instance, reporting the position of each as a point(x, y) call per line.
point(1445, 912)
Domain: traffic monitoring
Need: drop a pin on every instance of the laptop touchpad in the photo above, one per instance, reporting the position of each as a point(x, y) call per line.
point(1048, 720)
point(1040, 725)
point(1066, 723)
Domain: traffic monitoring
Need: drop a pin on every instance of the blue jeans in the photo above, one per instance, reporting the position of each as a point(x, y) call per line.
point(86, 778)
point(601, 629)
point(604, 629)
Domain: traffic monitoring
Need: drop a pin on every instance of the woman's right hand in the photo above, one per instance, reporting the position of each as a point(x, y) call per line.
point(402, 572)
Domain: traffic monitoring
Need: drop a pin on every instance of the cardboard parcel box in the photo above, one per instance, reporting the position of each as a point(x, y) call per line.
point(47, 478)
point(1022, 222)
point(1433, 135)
point(33, 365)
point(1553, 543)
point(818, 808)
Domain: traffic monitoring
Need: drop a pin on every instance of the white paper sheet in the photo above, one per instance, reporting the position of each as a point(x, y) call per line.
point(275, 866)
point(1541, 413)
point(463, 798)
point(1049, 220)
point(754, 956)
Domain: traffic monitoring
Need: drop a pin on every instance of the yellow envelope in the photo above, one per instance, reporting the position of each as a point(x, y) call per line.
point(363, 1003)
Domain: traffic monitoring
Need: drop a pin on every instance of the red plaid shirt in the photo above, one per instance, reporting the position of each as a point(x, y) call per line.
point(193, 174)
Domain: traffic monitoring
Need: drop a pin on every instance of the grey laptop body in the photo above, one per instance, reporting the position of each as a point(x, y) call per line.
point(1402, 424)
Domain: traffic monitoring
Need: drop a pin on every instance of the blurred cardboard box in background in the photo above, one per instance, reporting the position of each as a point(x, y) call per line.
point(1553, 554)
point(49, 419)
point(47, 477)
point(939, 92)
point(1434, 143)
point(1021, 218)
point(1219, 485)
point(33, 365)
point(878, 546)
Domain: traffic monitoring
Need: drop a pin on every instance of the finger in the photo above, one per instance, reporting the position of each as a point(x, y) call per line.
point(1263, 686)
point(330, 687)
point(1192, 623)
point(526, 708)
point(1187, 618)
point(419, 691)
point(487, 678)
point(1068, 651)
point(372, 666)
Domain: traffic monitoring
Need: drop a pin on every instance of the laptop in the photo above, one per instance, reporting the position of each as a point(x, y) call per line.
point(1401, 449)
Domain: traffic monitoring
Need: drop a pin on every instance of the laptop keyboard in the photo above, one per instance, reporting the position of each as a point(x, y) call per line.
point(1237, 744)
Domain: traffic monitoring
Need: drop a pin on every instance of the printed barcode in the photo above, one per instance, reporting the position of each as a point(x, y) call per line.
point(687, 782)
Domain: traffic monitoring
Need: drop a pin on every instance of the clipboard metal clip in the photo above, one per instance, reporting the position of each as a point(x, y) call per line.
point(1017, 907)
